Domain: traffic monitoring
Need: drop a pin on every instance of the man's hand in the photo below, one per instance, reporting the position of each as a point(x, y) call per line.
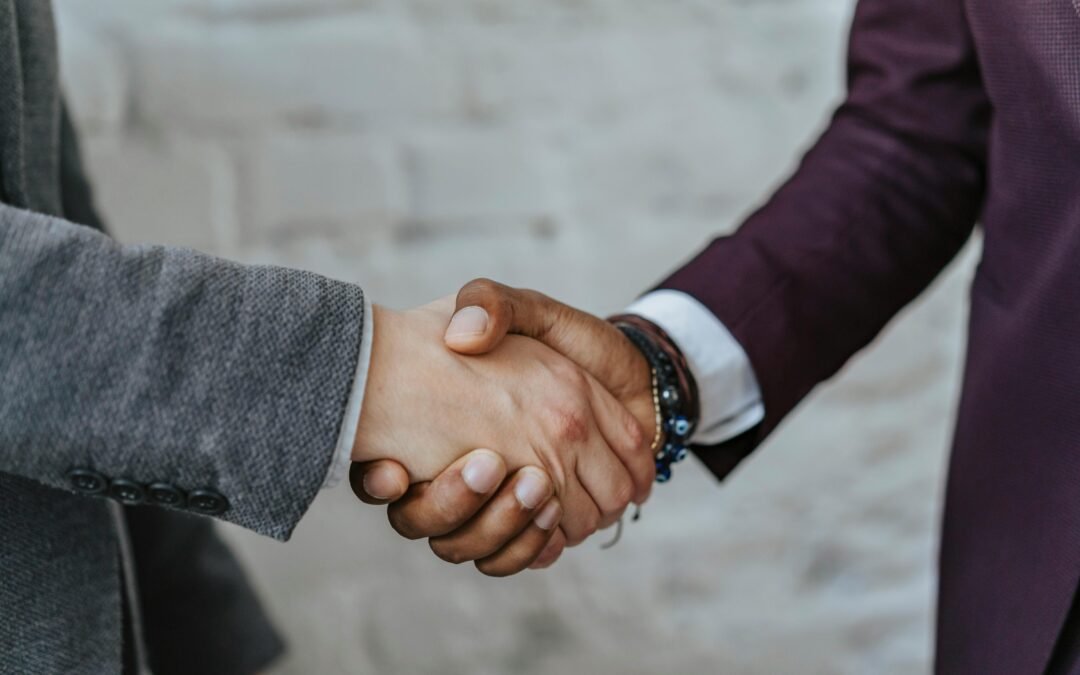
point(426, 406)
point(485, 313)
point(503, 539)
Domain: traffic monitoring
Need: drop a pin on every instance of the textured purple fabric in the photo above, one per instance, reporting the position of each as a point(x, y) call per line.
point(958, 110)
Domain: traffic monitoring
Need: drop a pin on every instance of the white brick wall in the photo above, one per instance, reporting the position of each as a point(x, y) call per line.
point(164, 190)
point(235, 75)
point(332, 184)
point(583, 147)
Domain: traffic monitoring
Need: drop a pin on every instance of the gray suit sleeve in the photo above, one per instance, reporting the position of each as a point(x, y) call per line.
point(154, 365)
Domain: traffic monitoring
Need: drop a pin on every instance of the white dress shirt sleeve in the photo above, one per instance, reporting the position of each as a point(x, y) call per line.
point(728, 391)
point(343, 453)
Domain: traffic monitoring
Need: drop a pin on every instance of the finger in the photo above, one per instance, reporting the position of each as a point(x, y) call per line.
point(605, 478)
point(555, 547)
point(378, 482)
point(449, 501)
point(508, 513)
point(526, 548)
point(581, 516)
point(486, 311)
point(625, 437)
point(590, 460)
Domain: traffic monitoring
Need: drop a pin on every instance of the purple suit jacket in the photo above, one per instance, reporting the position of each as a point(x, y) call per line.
point(958, 111)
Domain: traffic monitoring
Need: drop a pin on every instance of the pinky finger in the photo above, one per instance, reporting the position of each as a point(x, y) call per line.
point(551, 552)
point(527, 546)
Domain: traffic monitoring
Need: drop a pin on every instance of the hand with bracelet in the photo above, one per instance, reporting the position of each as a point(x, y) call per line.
point(632, 358)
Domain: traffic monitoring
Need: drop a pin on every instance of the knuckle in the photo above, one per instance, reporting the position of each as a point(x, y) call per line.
point(482, 285)
point(558, 466)
point(486, 290)
point(635, 435)
point(567, 374)
point(569, 424)
point(577, 378)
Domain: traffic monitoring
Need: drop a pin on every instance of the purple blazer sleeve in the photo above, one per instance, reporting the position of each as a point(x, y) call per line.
point(882, 202)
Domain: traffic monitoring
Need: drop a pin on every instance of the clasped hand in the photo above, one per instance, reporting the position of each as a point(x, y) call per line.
point(564, 404)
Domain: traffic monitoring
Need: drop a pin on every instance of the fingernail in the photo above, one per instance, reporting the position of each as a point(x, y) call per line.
point(532, 489)
point(372, 488)
point(468, 321)
point(481, 473)
point(548, 516)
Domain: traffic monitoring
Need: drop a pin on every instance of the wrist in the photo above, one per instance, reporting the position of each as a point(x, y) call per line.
point(673, 390)
point(378, 387)
point(630, 380)
point(682, 387)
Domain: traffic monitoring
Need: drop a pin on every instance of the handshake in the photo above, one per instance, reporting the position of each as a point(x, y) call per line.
point(507, 382)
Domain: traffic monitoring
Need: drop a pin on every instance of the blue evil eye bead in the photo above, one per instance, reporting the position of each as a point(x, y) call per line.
point(663, 474)
point(681, 453)
point(681, 427)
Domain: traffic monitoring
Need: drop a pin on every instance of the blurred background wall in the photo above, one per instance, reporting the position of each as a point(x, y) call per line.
point(582, 147)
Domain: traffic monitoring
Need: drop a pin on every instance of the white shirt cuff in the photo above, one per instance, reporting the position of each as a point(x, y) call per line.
point(728, 391)
point(343, 453)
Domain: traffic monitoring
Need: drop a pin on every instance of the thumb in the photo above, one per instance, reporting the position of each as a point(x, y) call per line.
point(379, 482)
point(486, 311)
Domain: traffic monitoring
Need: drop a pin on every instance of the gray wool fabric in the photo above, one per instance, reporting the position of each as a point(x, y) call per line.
point(151, 365)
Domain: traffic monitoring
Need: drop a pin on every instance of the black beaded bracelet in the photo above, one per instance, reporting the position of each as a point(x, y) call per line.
point(677, 422)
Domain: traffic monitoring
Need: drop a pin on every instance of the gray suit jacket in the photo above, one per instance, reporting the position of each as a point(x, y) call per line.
point(145, 375)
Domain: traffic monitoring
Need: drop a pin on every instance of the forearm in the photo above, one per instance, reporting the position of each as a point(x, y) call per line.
point(815, 275)
point(165, 365)
point(879, 206)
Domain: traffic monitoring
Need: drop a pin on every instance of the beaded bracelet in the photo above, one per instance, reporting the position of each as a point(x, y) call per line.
point(674, 393)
